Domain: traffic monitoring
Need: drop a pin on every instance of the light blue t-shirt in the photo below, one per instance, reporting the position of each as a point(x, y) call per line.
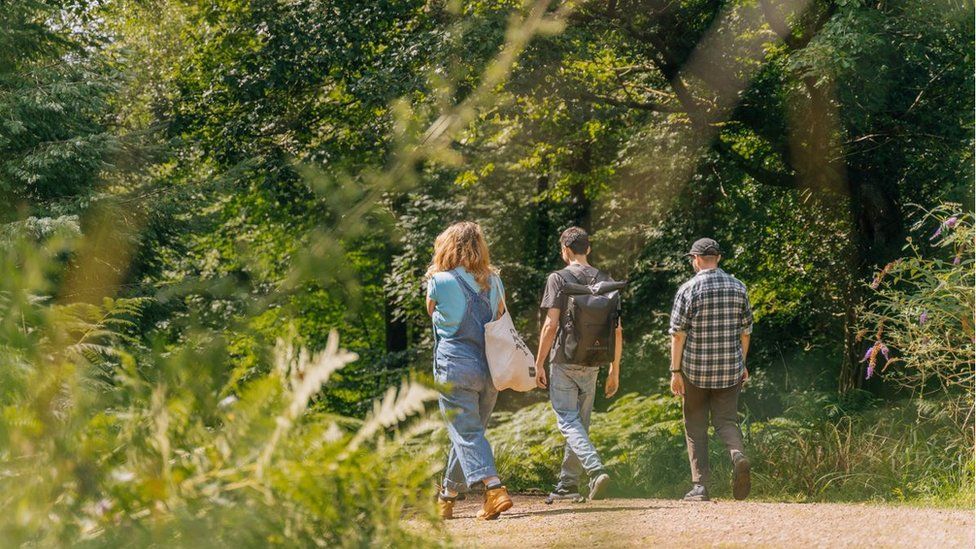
point(444, 289)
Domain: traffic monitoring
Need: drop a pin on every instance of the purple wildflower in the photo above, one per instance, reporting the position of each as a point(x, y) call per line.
point(947, 224)
point(956, 260)
point(870, 371)
point(867, 355)
point(923, 318)
point(884, 350)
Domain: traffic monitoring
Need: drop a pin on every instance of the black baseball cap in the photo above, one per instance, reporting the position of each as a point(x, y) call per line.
point(705, 246)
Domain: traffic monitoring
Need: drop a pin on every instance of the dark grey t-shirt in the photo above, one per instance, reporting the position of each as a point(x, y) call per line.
point(552, 298)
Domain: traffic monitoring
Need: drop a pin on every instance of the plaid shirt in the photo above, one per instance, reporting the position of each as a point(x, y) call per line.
point(713, 309)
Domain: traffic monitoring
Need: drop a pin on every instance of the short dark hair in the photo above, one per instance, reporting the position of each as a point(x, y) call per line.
point(576, 239)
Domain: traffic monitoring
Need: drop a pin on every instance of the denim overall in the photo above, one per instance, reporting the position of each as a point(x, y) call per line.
point(460, 363)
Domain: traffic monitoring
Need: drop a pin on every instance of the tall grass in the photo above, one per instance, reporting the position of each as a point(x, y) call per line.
point(888, 453)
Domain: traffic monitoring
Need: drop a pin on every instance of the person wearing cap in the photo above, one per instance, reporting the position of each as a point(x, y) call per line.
point(711, 323)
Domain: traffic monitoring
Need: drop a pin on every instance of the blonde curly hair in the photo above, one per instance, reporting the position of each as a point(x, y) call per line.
point(463, 245)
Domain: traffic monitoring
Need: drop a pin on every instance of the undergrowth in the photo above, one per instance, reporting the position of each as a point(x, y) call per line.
point(816, 451)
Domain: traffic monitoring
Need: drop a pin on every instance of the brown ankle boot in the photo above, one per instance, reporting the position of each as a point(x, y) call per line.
point(445, 508)
point(497, 501)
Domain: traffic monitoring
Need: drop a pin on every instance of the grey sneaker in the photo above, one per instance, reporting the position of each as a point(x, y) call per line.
point(564, 493)
point(741, 480)
point(598, 485)
point(697, 493)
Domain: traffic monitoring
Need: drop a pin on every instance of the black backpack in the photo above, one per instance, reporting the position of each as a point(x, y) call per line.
point(589, 318)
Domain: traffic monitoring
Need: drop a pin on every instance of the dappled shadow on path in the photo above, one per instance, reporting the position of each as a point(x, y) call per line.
point(575, 509)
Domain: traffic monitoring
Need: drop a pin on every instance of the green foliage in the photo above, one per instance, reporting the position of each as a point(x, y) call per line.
point(55, 103)
point(279, 122)
point(919, 330)
point(806, 179)
point(186, 183)
point(107, 442)
point(823, 452)
point(821, 449)
point(171, 418)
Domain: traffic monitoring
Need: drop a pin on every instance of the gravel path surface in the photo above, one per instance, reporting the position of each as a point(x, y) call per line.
point(657, 523)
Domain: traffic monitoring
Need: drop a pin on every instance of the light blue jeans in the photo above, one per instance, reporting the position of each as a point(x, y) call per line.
point(572, 389)
point(467, 407)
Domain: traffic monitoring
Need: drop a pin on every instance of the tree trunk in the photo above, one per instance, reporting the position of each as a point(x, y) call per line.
point(396, 329)
point(543, 226)
point(542, 251)
point(580, 204)
point(878, 230)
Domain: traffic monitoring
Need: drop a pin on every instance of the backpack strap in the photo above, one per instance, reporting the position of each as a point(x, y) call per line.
point(569, 276)
point(573, 276)
point(578, 275)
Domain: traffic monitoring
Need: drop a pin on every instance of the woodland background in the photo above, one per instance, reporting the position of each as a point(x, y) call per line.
point(197, 193)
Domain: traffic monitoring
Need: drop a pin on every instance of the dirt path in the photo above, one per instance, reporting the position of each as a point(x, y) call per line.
point(648, 522)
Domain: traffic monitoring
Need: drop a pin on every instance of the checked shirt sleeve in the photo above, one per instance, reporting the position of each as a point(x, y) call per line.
point(745, 319)
point(681, 312)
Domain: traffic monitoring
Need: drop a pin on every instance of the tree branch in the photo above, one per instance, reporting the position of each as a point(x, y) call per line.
point(762, 175)
point(781, 27)
point(631, 104)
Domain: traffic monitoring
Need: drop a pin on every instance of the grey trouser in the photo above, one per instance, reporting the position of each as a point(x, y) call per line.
point(723, 406)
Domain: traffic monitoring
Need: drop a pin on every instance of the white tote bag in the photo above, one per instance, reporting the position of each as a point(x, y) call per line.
point(509, 359)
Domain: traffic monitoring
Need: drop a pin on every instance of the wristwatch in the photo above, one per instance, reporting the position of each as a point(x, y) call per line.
point(673, 371)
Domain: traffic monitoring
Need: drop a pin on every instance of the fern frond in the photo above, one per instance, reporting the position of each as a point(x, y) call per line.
point(392, 409)
point(305, 374)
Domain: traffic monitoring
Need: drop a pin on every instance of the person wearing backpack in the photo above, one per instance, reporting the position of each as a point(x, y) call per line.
point(581, 332)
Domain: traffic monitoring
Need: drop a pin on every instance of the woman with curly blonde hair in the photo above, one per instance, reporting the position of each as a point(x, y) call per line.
point(464, 293)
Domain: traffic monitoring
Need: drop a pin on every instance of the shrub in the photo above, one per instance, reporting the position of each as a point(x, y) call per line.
point(640, 438)
point(825, 448)
point(106, 443)
point(919, 330)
